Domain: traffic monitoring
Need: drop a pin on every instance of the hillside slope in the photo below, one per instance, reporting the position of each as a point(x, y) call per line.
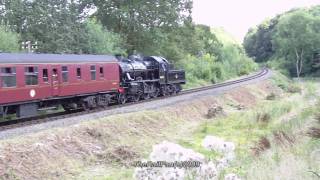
point(268, 119)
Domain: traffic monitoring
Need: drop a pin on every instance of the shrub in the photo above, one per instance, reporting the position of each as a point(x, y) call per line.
point(207, 69)
point(261, 146)
point(271, 96)
point(263, 118)
point(294, 89)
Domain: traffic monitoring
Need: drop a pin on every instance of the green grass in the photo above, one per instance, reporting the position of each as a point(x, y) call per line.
point(281, 80)
point(311, 89)
point(245, 129)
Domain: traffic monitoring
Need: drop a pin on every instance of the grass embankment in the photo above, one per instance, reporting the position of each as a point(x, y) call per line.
point(104, 149)
point(277, 139)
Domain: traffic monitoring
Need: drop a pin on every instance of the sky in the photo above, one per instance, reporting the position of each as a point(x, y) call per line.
point(237, 16)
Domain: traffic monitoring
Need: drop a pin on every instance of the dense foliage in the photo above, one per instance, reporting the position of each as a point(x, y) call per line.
point(149, 27)
point(229, 60)
point(9, 41)
point(289, 41)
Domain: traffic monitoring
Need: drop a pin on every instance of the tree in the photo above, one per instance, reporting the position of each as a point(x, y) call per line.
point(297, 37)
point(142, 22)
point(101, 41)
point(258, 41)
point(9, 41)
point(55, 24)
point(288, 41)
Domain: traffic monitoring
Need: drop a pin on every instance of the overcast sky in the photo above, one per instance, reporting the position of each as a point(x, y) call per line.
point(237, 16)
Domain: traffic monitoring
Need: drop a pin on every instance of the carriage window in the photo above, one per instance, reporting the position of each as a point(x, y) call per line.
point(101, 72)
point(8, 77)
point(93, 72)
point(64, 73)
point(31, 75)
point(45, 76)
point(55, 75)
point(79, 73)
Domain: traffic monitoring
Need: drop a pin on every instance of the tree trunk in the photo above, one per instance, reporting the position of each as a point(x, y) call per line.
point(299, 61)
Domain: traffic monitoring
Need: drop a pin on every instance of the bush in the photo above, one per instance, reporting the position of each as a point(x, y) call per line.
point(281, 80)
point(271, 96)
point(207, 69)
point(294, 89)
point(263, 118)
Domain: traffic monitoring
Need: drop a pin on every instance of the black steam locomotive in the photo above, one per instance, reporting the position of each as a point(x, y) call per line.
point(148, 77)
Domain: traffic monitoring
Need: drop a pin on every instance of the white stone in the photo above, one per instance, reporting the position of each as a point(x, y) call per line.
point(171, 152)
point(217, 144)
point(231, 177)
point(207, 171)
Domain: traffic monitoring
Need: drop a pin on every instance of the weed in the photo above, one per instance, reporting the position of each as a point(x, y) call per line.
point(271, 96)
point(122, 155)
point(282, 138)
point(261, 146)
point(93, 132)
point(263, 118)
point(214, 111)
point(317, 117)
point(293, 88)
point(281, 81)
point(314, 132)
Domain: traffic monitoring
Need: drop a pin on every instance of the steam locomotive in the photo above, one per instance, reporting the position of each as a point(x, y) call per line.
point(149, 77)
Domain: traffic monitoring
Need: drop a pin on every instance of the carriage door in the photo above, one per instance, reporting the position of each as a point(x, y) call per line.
point(55, 81)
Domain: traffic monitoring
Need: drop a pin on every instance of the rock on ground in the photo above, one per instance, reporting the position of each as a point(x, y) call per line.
point(171, 153)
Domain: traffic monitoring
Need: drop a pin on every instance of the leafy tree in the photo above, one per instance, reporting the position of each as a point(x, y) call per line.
point(9, 41)
point(54, 24)
point(297, 37)
point(288, 41)
point(258, 41)
point(101, 41)
point(232, 56)
point(140, 21)
point(12, 14)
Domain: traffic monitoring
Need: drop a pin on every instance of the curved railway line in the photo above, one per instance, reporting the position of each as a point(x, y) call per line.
point(12, 124)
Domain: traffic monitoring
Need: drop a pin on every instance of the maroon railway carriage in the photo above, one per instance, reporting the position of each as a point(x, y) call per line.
point(29, 82)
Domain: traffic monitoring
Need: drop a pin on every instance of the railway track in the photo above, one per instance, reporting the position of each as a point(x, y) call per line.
point(12, 124)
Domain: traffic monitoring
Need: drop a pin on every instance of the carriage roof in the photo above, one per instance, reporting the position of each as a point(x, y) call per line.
point(53, 58)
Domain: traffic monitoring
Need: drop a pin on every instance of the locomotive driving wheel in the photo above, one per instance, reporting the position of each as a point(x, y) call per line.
point(122, 99)
point(164, 91)
point(155, 94)
point(85, 106)
point(173, 90)
point(146, 96)
point(136, 98)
